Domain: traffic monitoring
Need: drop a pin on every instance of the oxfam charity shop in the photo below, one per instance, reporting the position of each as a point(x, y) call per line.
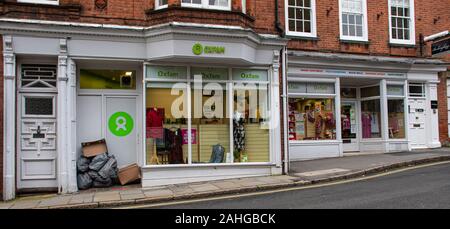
point(228, 109)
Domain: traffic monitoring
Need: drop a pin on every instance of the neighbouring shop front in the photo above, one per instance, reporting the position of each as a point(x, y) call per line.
point(342, 105)
point(185, 103)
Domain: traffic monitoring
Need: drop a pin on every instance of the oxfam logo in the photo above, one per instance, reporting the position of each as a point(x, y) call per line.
point(121, 124)
point(197, 49)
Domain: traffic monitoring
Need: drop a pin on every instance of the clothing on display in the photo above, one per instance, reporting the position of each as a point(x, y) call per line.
point(171, 145)
point(154, 120)
point(239, 132)
point(366, 125)
point(375, 128)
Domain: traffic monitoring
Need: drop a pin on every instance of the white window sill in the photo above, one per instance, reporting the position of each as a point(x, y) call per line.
point(43, 2)
point(403, 42)
point(161, 7)
point(302, 35)
point(355, 39)
point(197, 6)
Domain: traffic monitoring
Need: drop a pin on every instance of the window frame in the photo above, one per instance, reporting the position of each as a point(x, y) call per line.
point(365, 26)
point(205, 5)
point(230, 92)
point(158, 6)
point(405, 106)
point(412, 29)
point(46, 2)
point(313, 33)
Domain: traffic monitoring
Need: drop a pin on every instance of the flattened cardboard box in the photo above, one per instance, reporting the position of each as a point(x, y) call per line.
point(129, 174)
point(92, 149)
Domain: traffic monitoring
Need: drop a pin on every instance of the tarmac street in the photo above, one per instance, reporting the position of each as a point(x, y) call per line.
point(421, 188)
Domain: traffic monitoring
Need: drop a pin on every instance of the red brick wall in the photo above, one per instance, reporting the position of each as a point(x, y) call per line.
point(1, 118)
point(429, 19)
point(260, 17)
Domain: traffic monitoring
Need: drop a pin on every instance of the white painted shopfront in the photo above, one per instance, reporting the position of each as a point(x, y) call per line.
point(87, 82)
point(351, 104)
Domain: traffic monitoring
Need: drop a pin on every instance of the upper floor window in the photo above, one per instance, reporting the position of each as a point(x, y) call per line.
point(401, 21)
point(160, 4)
point(353, 17)
point(301, 18)
point(49, 2)
point(208, 4)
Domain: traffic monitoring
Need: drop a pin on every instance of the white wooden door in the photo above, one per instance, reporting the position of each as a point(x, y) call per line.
point(417, 123)
point(36, 160)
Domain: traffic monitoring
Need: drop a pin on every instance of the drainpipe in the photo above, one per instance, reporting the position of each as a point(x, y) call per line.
point(285, 110)
point(278, 25)
point(280, 30)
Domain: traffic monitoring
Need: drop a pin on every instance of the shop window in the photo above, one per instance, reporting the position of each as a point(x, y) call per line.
point(251, 123)
point(210, 124)
point(396, 120)
point(348, 93)
point(107, 79)
point(166, 124)
point(353, 20)
point(395, 90)
point(371, 119)
point(38, 76)
point(370, 92)
point(312, 119)
point(401, 17)
point(417, 90)
point(218, 122)
point(301, 17)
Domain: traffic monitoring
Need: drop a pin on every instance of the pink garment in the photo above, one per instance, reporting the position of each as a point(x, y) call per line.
point(366, 125)
point(346, 125)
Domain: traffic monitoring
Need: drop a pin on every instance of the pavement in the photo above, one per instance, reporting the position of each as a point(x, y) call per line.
point(302, 174)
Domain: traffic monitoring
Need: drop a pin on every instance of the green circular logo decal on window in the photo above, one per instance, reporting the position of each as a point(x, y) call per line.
point(121, 124)
point(197, 49)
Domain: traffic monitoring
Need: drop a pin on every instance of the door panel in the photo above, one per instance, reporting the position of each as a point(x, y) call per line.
point(121, 135)
point(417, 123)
point(37, 141)
point(89, 119)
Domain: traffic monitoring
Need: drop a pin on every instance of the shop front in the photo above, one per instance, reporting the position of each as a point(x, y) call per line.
point(345, 106)
point(185, 103)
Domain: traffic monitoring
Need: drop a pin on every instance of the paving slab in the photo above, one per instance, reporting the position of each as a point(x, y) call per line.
point(25, 204)
point(159, 193)
point(180, 190)
point(107, 196)
point(82, 198)
point(204, 187)
point(133, 196)
point(6, 205)
point(56, 201)
point(226, 185)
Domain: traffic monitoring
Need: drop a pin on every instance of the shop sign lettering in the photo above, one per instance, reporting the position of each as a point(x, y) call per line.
point(250, 75)
point(164, 72)
point(210, 73)
point(199, 49)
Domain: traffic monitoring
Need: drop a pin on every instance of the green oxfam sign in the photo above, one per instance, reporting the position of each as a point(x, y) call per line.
point(121, 124)
point(199, 49)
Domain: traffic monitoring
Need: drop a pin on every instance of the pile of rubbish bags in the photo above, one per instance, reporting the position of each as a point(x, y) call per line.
point(100, 171)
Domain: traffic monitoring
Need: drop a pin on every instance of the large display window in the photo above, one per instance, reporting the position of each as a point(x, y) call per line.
point(214, 116)
point(396, 111)
point(312, 111)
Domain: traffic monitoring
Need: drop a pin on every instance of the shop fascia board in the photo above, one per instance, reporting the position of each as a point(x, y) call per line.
point(106, 31)
point(360, 62)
